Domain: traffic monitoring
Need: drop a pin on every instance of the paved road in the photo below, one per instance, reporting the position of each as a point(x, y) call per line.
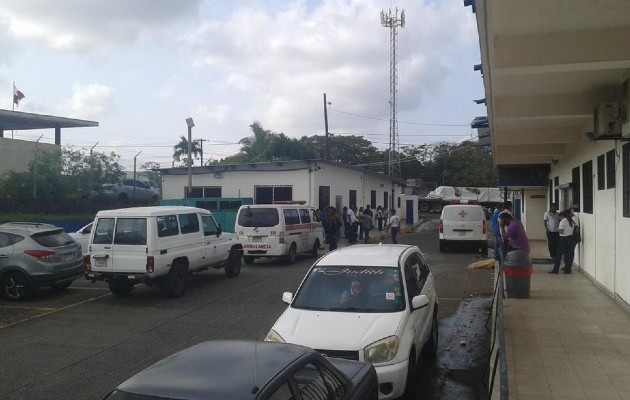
point(79, 344)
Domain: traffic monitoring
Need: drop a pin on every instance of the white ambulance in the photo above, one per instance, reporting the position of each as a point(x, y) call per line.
point(282, 229)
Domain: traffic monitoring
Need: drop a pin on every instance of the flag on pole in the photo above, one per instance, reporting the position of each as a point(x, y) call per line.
point(17, 96)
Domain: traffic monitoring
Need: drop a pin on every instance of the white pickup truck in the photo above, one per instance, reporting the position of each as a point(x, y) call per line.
point(158, 246)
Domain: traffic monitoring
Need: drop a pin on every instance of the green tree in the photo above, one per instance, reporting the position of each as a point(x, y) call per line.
point(180, 150)
point(256, 147)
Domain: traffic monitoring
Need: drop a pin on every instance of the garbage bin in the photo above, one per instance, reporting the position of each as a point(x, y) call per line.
point(517, 268)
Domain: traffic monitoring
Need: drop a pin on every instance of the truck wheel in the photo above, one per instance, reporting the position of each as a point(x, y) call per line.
point(315, 249)
point(437, 207)
point(249, 260)
point(120, 288)
point(175, 281)
point(292, 256)
point(233, 265)
point(424, 207)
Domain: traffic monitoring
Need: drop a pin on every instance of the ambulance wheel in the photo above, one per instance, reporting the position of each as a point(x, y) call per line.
point(292, 256)
point(249, 260)
point(315, 249)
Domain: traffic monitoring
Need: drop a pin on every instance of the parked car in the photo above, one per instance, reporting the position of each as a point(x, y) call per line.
point(241, 370)
point(134, 190)
point(35, 255)
point(373, 303)
point(463, 225)
point(160, 246)
point(82, 236)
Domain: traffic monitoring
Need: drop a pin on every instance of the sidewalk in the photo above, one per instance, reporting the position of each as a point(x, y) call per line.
point(569, 340)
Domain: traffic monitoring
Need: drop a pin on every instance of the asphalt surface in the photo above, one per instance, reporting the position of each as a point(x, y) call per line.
point(82, 342)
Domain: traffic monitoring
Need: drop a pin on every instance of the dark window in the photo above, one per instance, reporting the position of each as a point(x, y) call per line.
point(625, 161)
point(353, 197)
point(305, 216)
point(291, 216)
point(167, 226)
point(575, 179)
point(550, 193)
point(610, 169)
point(601, 172)
point(373, 198)
point(196, 192)
point(385, 200)
point(283, 193)
point(324, 197)
point(587, 179)
point(556, 191)
point(212, 191)
point(252, 217)
point(131, 231)
point(189, 223)
point(269, 194)
point(411, 279)
point(5, 239)
point(104, 231)
point(53, 238)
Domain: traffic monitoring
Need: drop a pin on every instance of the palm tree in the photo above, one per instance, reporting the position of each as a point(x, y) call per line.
point(256, 147)
point(180, 150)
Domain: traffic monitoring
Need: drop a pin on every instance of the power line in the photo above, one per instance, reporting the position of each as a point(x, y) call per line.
point(400, 122)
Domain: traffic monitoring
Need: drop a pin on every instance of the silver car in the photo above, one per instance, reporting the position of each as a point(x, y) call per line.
point(34, 255)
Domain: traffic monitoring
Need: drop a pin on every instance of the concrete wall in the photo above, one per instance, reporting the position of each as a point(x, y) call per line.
point(17, 154)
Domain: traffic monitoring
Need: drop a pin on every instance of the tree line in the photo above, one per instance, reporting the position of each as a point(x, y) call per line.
point(73, 178)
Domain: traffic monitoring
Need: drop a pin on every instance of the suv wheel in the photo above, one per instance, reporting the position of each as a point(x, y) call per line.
point(410, 387)
point(430, 347)
point(315, 249)
point(120, 287)
point(14, 286)
point(175, 281)
point(233, 266)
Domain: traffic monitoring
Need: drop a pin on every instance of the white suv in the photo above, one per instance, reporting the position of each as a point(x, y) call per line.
point(158, 245)
point(374, 303)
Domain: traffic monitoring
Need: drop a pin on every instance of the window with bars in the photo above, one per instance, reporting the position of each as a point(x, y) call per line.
point(267, 194)
point(610, 169)
point(587, 182)
point(601, 172)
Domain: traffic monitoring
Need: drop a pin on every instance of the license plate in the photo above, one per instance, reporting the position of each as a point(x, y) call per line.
point(462, 233)
point(256, 238)
point(68, 257)
point(100, 263)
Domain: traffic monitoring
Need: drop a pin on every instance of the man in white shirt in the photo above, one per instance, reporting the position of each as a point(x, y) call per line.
point(352, 219)
point(551, 219)
point(394, 225)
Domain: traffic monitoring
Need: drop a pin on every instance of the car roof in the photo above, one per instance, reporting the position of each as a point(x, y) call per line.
point(368, 255)
point(463, 206)
point(28, 227)
point(150, 211)
point(218, 369)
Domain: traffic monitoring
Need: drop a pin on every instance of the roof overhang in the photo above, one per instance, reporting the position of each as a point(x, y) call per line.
point(17, 120)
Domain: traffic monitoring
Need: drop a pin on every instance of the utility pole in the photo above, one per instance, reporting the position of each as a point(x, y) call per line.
point(391, 21)
point(134, 174)
point(91, 167)
point(327, 157)
point(201, 148)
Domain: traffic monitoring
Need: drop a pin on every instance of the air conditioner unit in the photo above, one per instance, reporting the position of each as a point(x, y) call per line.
point(607, 120)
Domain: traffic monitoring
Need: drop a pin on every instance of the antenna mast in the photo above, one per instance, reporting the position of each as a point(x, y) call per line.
point(391, 21)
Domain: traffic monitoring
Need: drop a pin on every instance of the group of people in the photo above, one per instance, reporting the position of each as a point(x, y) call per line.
point(358, 223)
point(509, 234)
point(561, 241)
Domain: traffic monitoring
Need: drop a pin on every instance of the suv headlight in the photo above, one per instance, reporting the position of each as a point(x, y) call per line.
point(382, 351)
point(273, 336)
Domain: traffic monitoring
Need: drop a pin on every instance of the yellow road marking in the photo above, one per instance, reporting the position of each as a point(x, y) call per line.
point(53, 311)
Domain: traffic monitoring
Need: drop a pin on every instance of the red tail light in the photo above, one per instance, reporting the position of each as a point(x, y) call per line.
point(281, 238)
point(41, 254)
point(441, 226)
point(483, 227)
point(87, 264)
point(150, 264)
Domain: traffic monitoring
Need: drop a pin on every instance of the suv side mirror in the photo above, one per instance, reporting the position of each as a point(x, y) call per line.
point(419, 302)
point(219, 230)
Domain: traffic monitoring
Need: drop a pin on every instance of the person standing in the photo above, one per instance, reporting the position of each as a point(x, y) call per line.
point(367, 223)
point(394, 225)
point(551, 219)
point(496, 229)
point(566, 245)
point(346, 223)
point(352, 221)
point(515, 236)
point(379, 217)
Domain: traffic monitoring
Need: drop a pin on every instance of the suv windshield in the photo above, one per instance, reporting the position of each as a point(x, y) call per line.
point(354, 289)
point(258, 217)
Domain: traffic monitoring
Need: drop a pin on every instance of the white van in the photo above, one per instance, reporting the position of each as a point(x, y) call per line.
point(463, 225)
point(278, 230)
point(158, 246)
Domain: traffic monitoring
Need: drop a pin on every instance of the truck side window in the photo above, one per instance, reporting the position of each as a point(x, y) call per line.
point(189, 223)
point(167, 225)
point(209, 225)
point(104, 231)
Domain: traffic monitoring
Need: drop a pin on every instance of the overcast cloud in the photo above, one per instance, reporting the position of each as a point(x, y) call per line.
point(141, 67)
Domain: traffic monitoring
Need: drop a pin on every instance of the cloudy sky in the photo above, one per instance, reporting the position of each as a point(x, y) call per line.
point(141, 67)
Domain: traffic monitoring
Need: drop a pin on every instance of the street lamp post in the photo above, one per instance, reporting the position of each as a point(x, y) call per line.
point(190, 123)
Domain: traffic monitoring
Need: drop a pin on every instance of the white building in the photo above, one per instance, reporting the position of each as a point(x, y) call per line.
point(557, 94)
point(319, 183)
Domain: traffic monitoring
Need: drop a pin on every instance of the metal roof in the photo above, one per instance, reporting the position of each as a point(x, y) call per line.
point(18, 120)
